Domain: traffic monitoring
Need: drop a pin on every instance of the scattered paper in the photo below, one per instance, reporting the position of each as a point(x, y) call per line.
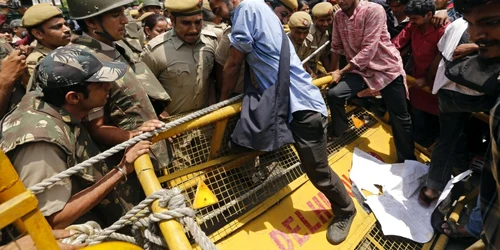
point(397, 209)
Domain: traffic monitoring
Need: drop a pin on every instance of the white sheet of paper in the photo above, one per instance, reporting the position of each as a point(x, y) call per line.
point(397, 209)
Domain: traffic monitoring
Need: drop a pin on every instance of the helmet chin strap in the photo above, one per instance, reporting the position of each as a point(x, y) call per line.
point(104, 34)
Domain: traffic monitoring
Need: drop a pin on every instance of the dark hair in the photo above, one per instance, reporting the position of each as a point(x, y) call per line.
point(83, 25)
point(464, 6)
point(301, 4)
point(404, 2)
point(420, 7)
point(57, 96)
point(208, 15)
point(277, 3)
point(152, 20)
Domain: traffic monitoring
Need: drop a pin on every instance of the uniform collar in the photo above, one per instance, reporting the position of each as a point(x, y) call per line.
point(315, 32)
point(42, 49)
point(56, 112)
point(104, 47)
point(178, 42)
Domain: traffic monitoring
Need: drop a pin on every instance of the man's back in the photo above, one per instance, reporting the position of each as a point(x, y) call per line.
point(258, 32)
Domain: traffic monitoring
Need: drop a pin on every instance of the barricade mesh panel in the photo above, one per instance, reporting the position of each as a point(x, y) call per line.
point(230, 181)
point(375, 239)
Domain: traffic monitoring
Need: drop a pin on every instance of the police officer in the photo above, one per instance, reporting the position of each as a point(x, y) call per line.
point(210, 21)
point(18, 30)
point(300, 23)
point(151, 6)
point(183, 58)
point(42, 140)
point(134, 35)
point(128, 107)
point(323, 19)
point(47, 25)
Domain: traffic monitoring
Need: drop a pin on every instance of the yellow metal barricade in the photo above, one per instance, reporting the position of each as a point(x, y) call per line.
point(20, 206)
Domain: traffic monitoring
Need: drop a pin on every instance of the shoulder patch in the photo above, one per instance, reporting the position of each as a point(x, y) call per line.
point(34, 58)
point(155, 42)
point(208, 32)
point(310, 37)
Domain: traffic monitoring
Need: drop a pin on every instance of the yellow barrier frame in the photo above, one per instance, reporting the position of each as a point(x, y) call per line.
point(17, 202)
point(172, 230)
point(18, 205)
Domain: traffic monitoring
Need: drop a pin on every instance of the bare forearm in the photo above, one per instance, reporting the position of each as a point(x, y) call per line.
point(431, 75)
point(325, 60)
point(6, 87)
point(334, 62)
point(230, 76)
point(348, 68)
point(107, 135)
point(82, 202)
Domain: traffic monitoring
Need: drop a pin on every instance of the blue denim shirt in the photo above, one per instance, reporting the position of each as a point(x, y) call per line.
point(257, 31)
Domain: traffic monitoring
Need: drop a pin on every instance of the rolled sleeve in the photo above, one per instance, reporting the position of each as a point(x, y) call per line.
point(37, 161)
point(404, 37)
point(95, 113)
point(241, 36)
point(374, 26)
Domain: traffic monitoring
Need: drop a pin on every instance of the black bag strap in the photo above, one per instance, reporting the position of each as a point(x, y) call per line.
point(283, 68)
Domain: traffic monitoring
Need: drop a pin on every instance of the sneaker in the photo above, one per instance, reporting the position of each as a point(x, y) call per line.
point(339, 228)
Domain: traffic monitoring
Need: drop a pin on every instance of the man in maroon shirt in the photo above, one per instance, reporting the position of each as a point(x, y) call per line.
point(374, 64)
point(423, 36)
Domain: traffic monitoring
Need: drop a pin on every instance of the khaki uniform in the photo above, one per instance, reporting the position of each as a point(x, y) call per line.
point(184, 72)
point(318, 40)
point(222, 54)
point(217, 29)
point(36, 56)
point(42, 140)
point(303, 50)
point(128, 106)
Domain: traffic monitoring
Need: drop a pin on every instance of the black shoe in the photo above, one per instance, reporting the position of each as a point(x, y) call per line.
point(339, 228)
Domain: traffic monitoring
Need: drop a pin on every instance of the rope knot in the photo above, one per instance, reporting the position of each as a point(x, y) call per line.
point(83, 233)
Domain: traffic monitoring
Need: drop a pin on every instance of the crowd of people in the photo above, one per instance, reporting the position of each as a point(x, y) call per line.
point(73, 87)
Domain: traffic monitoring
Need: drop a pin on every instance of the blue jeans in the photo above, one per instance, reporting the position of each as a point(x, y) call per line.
point(475, 225)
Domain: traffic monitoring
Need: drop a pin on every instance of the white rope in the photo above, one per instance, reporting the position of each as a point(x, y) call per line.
point(144, 224)
point(49, 182)
point(92, 233)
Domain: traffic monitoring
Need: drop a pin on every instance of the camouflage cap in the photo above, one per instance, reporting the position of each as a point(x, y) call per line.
point(322, 9)
point(72, 65)
point(300, 19)
point(151, 3)
point(15, 23)
point(40, 13)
